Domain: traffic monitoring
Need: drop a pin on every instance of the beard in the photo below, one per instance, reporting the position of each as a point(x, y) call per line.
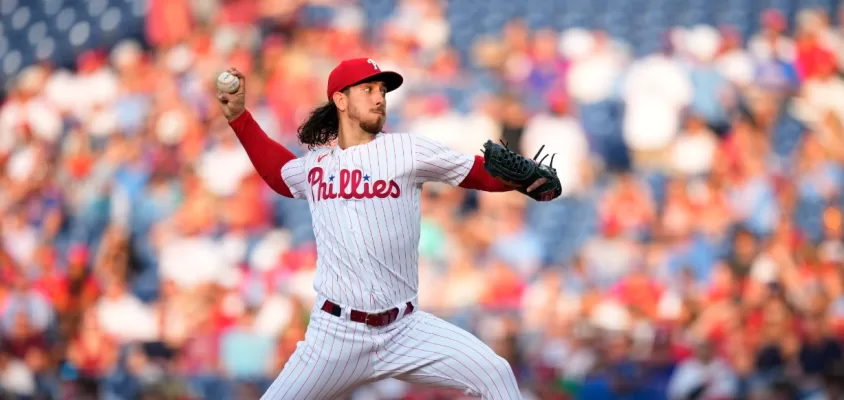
point(372, 125)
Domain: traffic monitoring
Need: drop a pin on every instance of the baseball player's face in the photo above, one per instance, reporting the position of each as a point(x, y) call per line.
point(368, 106)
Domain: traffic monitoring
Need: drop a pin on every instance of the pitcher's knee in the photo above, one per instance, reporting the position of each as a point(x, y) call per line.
point(503, 366)
point(499, 382)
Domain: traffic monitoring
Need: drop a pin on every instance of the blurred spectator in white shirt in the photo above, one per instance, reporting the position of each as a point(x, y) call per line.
point(704, 376)
point(124, 316)
point(189, 254)
point(422, 20)
point(224, 166)
point(439, 122)
point(481, 124)
point(659, 75)
point(655, 91)
point(193, 260)
point(15, 377)
point(771, 42)
point(514, 242)
point(649, 127)
point(822, 93)
point(540, 299)
point(561, 134)
point(19, 238)
point(517, 64)
point(734, 62)
point(592, 76)
point(712, 96)
point(96, 84)
point(274, 315)
point(694, 149)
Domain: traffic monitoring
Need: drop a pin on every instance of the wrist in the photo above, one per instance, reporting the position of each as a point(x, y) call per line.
point(235, 117)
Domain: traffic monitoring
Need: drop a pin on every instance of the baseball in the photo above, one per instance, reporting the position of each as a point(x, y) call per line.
point(227, 83)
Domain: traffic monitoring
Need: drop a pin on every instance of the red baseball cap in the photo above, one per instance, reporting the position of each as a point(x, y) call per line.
point(358, 70)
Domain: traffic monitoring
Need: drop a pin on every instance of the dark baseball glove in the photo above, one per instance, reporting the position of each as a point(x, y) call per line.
point(520, 173)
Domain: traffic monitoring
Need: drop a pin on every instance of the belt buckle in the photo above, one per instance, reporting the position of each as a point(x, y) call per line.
point(380, 319)
point(370, 320)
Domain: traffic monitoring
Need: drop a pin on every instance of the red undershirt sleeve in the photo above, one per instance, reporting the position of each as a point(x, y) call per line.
point(267, 156)
point(479, 179)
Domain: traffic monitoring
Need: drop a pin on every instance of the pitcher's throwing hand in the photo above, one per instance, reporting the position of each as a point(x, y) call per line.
point(233, 104)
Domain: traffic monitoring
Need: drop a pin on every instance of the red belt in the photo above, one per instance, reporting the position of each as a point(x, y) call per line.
point(376, 320)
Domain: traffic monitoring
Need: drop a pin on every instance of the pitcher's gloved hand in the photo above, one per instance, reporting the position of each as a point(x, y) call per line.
point(525, 175)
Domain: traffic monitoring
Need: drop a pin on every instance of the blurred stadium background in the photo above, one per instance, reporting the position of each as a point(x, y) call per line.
point(696, 252)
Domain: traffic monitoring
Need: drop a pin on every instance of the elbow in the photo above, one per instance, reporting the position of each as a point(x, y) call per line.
point(277, 185)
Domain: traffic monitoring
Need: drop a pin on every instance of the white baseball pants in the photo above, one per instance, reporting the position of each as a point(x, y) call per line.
point(339, 355)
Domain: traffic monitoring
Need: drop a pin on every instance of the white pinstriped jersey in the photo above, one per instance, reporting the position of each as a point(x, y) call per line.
point(364, 203)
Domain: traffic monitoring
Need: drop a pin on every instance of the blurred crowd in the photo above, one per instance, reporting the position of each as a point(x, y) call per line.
point(695, 253)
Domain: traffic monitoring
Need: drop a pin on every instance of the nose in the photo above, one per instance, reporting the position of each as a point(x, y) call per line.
point(379, 99)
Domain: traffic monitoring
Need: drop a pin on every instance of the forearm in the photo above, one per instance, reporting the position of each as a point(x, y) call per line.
point(479, 179)
point(266, 155)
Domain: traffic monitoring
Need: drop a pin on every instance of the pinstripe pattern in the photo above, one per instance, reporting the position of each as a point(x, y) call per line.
point(339, 355)
point(364, 203)
point(367, 246)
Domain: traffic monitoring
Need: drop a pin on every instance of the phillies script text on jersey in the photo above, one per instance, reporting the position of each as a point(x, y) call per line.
point(365, 204)
point(350, 186)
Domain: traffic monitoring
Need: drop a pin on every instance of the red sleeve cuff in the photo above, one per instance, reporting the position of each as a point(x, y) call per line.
point(241, 120)
point(479, 179)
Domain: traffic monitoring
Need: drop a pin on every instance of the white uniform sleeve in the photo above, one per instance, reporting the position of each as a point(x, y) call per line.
point(295, 177)
point(435, 162)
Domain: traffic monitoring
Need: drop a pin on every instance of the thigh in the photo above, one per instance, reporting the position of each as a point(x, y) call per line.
point(333, 358)
point(432, 352)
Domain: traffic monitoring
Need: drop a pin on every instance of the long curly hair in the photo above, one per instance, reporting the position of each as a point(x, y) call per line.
point(322, 125)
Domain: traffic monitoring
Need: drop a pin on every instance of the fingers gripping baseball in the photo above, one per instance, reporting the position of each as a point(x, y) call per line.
point(232, 103)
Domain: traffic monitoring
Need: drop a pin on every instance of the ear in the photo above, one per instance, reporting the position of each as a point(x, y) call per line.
point(340, 100)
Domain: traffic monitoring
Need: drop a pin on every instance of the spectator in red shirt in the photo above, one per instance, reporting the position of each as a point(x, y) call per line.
point(641, 291)
point(51, 282)
point(813, 60)
point(169, 22)
point(23, 342)
point(92, 353)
